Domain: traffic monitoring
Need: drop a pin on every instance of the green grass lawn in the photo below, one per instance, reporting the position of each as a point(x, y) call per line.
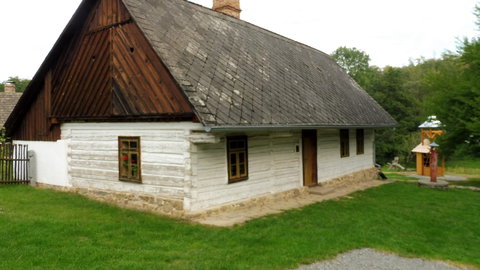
point(472, 182)
point(42, 229)
point(397, 176)
point(464, 167)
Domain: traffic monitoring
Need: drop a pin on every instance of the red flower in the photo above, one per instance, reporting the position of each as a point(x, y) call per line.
point(134, 161)
point(125, 157)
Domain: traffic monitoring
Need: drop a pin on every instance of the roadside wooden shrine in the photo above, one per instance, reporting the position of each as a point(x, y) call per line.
point(430, 129)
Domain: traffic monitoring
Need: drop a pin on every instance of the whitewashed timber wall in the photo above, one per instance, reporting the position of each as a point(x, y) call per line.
point(48, 164)
point(179, 161)
point(273, 163)
point(165, 156)
point(331, 165)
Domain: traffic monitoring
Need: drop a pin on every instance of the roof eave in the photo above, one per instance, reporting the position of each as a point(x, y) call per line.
point(294, 127)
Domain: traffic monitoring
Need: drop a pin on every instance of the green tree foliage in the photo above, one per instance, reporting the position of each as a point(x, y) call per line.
point(448, 101)
point(21, 84)
point(396, 90)
point(355, 62)
point(3, 135)
point(455, 88)
point(448, 87)
point(389, 90)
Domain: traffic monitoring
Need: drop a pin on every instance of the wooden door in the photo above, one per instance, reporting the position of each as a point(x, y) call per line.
point(309, 146)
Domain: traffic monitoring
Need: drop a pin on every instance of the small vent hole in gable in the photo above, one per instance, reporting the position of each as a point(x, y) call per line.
point(132, 50)
point(94, 58)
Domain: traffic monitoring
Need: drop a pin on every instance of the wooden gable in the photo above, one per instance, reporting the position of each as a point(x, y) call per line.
point(107, 71)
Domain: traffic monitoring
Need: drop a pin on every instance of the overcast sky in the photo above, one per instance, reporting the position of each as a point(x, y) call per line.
point(391, 32)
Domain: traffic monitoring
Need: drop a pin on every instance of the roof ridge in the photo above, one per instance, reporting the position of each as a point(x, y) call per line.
point(249, 24)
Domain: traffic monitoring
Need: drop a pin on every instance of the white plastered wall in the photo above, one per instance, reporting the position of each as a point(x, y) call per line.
point(48, 163)
point(331, 165)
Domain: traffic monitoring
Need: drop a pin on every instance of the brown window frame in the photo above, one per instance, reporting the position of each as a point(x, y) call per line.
point(344, 143)
point(125, 158)
point(238, 177)
point(360, 134)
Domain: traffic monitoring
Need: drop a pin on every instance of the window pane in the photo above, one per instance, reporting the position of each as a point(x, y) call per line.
point(360, 141)
point(241, 157)
point(134, 159)
point(233, 170)
point(129, 159)
point(237, 158)
point(242, 168)
point(134, 171)
point(344, 143)
point(233, 158)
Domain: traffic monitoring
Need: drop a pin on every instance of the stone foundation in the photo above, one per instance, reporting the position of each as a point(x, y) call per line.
point(352, 178)
point(346, 180)
point(143, 202)
point(250, 203)
point(174, 208)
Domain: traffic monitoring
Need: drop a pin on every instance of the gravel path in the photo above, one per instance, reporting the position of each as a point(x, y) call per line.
point(369, 259)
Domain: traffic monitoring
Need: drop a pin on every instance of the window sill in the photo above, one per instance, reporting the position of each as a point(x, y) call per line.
point(237, 180)
point(131, 181)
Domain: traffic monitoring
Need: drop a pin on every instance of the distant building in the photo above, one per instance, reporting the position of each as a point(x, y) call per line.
point(8, 100)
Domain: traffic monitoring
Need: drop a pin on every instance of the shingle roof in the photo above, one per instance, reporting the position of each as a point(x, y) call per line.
point(238, 74)
point(7, 103)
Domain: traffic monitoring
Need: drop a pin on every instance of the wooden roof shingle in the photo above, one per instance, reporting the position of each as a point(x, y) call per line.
point(234, 74)
point(7, 103)
point(237, 74)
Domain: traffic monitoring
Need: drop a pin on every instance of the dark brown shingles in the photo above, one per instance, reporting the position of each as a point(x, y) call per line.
point(243, 75)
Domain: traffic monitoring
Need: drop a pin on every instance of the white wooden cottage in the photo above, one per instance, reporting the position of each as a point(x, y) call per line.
point(169, 106)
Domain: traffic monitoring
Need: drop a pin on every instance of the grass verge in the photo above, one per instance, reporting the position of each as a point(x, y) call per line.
point(464, 167)
point(42, 229)
point(397, 176)
point(472, 182)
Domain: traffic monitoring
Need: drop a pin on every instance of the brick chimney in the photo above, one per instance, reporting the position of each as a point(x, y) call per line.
point(10, 87)
point(229, 7)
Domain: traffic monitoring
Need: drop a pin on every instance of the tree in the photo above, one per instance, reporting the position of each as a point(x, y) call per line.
point(355, 62)
point(456, 98)
point(389, 87)
point(3, 135)
point(21, 84)
point(388, 90)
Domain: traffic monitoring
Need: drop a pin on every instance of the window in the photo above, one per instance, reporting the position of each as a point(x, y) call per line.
point(129, 159)
point(344, 143)
point(360, 142)
point(237, 159)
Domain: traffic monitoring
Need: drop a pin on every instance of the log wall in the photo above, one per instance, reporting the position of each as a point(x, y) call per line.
point(273, 163)
point(93, 156)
